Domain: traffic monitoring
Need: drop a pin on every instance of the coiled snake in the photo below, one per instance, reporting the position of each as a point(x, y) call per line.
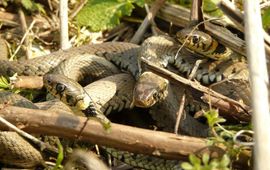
point(162, 50)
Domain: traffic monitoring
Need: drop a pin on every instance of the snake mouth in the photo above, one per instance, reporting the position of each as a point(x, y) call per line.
point(143, 103)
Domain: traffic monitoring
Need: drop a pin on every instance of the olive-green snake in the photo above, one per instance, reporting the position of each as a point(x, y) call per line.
point(161, 50)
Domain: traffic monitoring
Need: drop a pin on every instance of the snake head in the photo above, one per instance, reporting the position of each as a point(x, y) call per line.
point(196, 40)
point(67, 90)
point(149, 89)
point(202, 43)
point(73, 94)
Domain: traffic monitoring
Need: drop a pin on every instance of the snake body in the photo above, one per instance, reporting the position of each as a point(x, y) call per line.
point(162, 50)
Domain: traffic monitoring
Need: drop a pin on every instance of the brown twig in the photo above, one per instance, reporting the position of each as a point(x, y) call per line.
point(77, 9)
point(183, 98)
point(153, 24)
point(196, 14)
point(27, 82)
point(39, 143)
point(22, 40)
point(193, 86)
point(166, 145)
point(27, 42)
point(180, 17)
point(265, 5)
point(180, 113)
point(146, 22)
point(232, 12)
point(120, 136)
point(237, 17)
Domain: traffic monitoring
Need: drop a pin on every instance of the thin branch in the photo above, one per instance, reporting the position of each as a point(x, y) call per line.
point(183, 98)
point(265, 5)
point(166, 145)
point(24, 36)
point(27, 82)
point(39, 143)
point(77, 9)
point(196, 14)
point(179, 16)
point(119, 136)
point(64, 24)
point(146, 22)
point(232, 12)
point(237, 17)
point(243, 115)
point(153, 24)
point(27, 39)
point(180, 113)
point(259, 83)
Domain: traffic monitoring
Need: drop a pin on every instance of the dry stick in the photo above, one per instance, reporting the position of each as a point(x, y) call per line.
point(183, 98)
point(77, 9)
point(24, 29)
point(196, 12)
point(180, 17)
point(64, 24)
point(10, 19)
point(180, 112)
point(242, 116)
point(120, 136)
point(27, 82)
point(153, 24)
point(146, 22)
point(24, 36)
point(265, 5)
point(195, 18)
point(237, 16)
point(259, 83)
point(39, 143)
point(137, 140)
point(196, 15)
point(232, 12)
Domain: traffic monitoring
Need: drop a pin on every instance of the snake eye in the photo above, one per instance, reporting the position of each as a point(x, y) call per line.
point(195, 39)
point(60, 87)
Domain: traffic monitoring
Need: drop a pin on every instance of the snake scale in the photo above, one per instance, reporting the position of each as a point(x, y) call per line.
point(161, 50)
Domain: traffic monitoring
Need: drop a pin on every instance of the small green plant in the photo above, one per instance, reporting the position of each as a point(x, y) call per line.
point(32, 6)
point(209, 6)
point(60, 156)
point(101, 15)
point(221, 137)
point(206, 164)
point(4, 84)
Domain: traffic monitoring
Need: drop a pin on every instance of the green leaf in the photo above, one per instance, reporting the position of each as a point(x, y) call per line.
point(194, 159)
point(186, 166)
point(32, 6)
point(210, 7)
point(27, 4)
point(60, 156)
point(101, 15)
point(225, 161)
point(213, 117)
point(4, 84)
point(205, 158)
point(266, 19)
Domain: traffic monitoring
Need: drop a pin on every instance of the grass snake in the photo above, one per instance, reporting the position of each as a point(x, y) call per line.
point(160, 49)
